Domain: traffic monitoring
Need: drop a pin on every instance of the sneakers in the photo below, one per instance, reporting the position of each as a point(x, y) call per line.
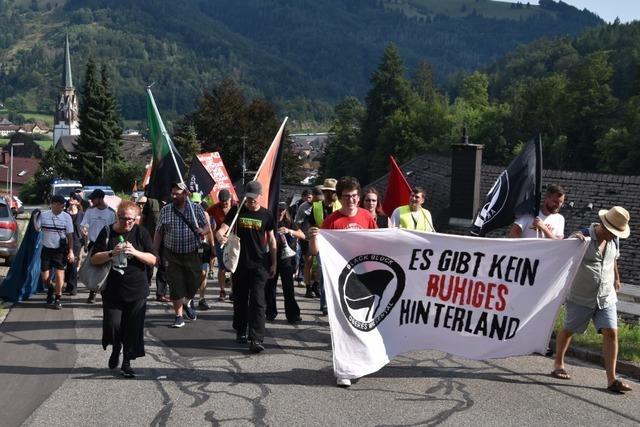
point(202, 305)
point(92, 297)
point(57, 304)
point(343, 382)
point(50, 295)
point(127, 372)
point(222, 295)
point(256, 347)
point(308, 294)
point(178, 323)
point(241, 339)
point(189, 312)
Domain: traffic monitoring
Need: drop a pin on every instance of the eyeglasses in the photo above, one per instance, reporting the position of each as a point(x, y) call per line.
point(126, 219)
point(350, 196)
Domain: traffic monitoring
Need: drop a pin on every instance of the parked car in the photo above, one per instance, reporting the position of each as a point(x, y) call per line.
point(63, 187)
point(8, 232)
point(17, 207)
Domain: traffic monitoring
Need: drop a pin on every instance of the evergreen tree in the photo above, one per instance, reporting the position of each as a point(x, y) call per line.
point(92, 132)
point(422, 81)
point(111, 122)
point(186, 142)
point(390, 92)
point(343, 148)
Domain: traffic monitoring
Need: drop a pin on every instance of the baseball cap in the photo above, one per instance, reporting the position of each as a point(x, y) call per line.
point(58, 199)
point(253, 189)
point(96, 194)
point(224, 195)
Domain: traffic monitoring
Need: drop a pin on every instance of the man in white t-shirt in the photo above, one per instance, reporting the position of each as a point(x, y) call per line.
point(57, 247)
point(97, 217)
point(549, 223)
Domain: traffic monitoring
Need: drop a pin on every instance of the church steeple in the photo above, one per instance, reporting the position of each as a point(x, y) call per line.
point(66, 118)
point(67, 81)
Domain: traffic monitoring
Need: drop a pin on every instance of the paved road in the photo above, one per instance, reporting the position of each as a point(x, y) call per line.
point(198, 376)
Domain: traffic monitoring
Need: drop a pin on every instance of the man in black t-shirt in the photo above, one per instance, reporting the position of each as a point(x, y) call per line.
point(255, 227)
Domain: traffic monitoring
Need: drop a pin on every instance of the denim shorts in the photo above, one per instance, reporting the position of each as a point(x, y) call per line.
point(578, 317)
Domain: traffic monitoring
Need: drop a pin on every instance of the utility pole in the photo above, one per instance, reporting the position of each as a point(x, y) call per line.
point(244, 163)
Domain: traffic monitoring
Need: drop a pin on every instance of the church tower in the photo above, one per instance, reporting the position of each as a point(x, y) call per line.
point(66, 116)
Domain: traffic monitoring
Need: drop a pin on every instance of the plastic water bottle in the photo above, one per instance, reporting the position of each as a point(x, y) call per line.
point(121, 259)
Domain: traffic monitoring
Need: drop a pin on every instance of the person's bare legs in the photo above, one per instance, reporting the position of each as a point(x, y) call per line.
point(59, 282)
point(610, 353)
point(562, 345)
point(177, 306)
point(221, 279)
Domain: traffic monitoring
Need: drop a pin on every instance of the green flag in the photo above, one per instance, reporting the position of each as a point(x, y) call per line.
point(168, 166)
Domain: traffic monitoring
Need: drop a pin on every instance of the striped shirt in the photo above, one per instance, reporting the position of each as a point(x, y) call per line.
point(176, 234)
point(54, 228)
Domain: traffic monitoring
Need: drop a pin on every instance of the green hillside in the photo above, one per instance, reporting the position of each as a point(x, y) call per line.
point(303, 56)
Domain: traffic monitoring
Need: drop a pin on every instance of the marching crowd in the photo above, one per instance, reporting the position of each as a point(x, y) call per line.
point(182, 239)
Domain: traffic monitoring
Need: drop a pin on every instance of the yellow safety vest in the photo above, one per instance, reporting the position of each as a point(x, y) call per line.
point(318, 211)
point(424, 221)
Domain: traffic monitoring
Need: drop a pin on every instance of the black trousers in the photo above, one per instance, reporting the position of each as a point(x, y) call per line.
point(71, 272)
point(285, 271)
point(161, 276)
point(123, 323)
point(248, 301)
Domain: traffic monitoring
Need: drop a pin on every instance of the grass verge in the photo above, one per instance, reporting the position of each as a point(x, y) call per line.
point(628, 339)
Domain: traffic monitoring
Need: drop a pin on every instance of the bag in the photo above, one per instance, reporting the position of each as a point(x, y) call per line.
point(231, 253)
point(94, 276)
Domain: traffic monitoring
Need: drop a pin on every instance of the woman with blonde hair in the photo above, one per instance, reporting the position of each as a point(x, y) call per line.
point(129, 247)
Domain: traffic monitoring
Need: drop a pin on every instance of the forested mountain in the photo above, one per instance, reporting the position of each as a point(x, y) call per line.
point(303, 55)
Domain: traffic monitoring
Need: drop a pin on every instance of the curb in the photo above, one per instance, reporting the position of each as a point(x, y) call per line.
point(625, 367)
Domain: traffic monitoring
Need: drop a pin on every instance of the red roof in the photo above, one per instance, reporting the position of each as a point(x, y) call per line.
point(28, 164)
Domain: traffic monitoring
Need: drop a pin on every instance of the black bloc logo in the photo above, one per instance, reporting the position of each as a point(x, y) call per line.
point(496, 199)
point(370, 286)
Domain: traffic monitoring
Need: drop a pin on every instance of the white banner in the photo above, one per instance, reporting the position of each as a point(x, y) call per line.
point(392, 291)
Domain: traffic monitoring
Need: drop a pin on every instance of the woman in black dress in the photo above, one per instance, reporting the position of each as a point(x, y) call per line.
point(371, 202)
point(124, 296)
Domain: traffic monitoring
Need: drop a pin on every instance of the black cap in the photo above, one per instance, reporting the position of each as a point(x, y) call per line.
point(58, 199)
point(96, 194)
point(224, 195)
point(253, 189)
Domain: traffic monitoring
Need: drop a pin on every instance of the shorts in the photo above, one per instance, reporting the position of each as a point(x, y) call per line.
point(52, 258)
point(204, 267)
point(578, 317)
point(220, 256)
point(183, 273)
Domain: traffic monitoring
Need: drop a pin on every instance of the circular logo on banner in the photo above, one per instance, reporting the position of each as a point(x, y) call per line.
point(370, 286)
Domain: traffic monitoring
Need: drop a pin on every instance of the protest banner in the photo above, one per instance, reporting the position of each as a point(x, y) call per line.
point(391, 291)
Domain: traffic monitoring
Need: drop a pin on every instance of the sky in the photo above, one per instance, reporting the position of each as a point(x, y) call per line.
point(626, 10)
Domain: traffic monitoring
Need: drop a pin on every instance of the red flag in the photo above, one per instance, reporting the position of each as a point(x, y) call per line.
point(270, 172)
point(398, 189)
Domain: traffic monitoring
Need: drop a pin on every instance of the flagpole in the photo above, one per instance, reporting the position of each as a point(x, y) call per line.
point(165, 134)
point(255, 176)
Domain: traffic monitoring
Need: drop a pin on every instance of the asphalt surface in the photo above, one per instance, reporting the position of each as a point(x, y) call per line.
point(53, 371)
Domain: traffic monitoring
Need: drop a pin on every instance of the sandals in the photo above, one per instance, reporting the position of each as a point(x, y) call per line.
point(560, 374)
point(619, 387)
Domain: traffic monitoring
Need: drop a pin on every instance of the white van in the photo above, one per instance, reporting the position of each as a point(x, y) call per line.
point(64, 188)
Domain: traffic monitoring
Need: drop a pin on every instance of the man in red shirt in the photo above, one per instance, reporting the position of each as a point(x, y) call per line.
point(349, 216)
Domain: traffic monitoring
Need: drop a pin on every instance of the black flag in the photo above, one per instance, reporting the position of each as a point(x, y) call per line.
point(515, 192)
point(199, 180)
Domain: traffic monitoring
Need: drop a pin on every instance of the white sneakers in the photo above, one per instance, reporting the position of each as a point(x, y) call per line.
point(343, 382)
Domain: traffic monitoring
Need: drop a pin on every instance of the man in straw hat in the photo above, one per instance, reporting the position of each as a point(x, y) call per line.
point(593, 293)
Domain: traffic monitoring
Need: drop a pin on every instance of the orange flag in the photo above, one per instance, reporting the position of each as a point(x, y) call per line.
point(270, 172)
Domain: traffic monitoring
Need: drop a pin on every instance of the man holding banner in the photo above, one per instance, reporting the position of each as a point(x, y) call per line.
point(348, 217)
point(593, 293)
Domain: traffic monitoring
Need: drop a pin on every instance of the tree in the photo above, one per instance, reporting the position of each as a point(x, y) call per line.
point(390, 92)
point(54, 164)
point(343, 148)
point(99, 126)
point(422, 81)
point(186, 142)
